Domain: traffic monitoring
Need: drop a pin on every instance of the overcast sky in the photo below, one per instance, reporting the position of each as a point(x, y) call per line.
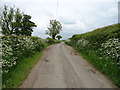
point(76, 16)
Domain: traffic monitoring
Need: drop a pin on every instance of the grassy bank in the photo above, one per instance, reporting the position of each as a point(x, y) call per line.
point(19, 73)
point(108, 67)
point(101, 47)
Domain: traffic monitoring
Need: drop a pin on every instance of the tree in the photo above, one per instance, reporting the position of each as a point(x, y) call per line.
point(17, 22)
point(6, 20)
point(54, 28)
point(27, 25)
point(13, 21)
point(59, 37)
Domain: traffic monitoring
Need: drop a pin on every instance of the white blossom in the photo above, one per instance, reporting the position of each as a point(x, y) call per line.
point(15, 47)
point(111, 48)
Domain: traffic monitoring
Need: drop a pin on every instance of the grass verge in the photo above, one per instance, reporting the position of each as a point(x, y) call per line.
point(107, 67)
point(19, 73)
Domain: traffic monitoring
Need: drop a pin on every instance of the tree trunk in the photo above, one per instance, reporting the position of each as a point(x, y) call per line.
point(53, 36)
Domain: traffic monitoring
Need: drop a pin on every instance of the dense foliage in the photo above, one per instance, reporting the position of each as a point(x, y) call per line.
point(15, 22)
point(51, 41)
point(101, 47)
point(111, 49)
point(16, 48)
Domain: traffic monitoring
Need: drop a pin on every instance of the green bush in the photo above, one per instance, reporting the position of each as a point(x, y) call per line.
point(52, 41)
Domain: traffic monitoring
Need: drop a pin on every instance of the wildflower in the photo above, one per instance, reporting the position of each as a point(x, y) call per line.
point(111, 48)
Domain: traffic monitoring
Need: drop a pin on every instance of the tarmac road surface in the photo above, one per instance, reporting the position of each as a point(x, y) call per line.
point(61, 67)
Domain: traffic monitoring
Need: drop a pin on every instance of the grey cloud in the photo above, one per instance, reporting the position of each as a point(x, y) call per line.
point(66, 20)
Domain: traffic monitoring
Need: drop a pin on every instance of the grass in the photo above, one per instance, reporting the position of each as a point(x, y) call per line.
point(92, 53)
point(19, 73)
point(104, 66)
point(101, 34)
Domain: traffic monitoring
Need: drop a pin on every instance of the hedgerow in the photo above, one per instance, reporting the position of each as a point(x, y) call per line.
point(15, 48)
point(101, 47)
point(52, 41)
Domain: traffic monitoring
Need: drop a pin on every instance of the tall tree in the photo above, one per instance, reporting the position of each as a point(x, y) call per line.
point(13, 21)
point(17, 24)
point(6, 20)
point(54, 28)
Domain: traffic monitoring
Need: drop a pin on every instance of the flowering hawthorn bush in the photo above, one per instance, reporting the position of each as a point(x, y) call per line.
point(82, 44)
point(16, 48)
point(111, 49)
